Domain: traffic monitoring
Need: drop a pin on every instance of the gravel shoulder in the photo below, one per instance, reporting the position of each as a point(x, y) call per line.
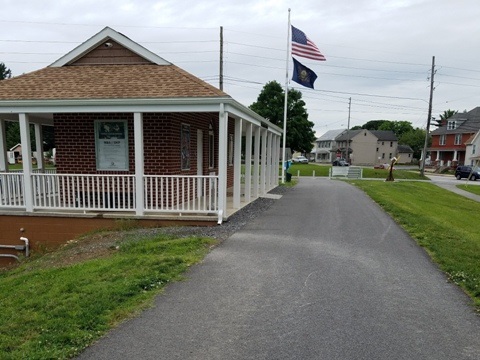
point(101, 244)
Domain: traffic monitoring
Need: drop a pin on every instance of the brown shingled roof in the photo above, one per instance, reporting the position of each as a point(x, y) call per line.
point(106, 82)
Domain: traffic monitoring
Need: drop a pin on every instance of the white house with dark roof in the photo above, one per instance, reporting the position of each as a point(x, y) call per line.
point(324, 145)
point(136, 137)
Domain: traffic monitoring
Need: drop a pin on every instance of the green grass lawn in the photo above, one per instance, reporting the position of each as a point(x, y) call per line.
point(444, 223)
point(368, 172)
point(474, 189)
point(20, 166)
point(50, 311)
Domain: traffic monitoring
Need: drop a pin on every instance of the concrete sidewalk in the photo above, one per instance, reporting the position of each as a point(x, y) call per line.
point(450, 183)
point(323, 274)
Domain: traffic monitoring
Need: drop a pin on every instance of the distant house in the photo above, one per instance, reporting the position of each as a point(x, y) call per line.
point(324, 145)
point(15, 153)
point(366, 147)
point(472, 149)
point(404, 154)
point(449, 141)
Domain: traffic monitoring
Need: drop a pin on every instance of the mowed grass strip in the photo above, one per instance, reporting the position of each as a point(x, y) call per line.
point(368, 172)
point(444, 223)
point(54, 312)
point(474, 189)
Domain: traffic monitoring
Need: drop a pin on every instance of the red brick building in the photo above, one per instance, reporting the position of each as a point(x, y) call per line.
point(449, 141)
point(135, 136)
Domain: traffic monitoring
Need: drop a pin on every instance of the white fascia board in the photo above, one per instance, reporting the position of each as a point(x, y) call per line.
point(111, 105)
point(99, 38)
point(234, 107)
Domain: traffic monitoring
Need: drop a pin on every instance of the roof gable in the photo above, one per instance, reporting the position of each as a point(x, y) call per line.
point(385, 135)
point(330, 135)
point(109, 41)
point(404, 149)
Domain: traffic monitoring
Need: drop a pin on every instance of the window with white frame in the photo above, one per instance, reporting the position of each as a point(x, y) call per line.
point(451, 125)
point(442, 140)
point(458, 139)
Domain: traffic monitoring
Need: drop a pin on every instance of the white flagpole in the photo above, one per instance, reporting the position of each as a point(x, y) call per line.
point(284, 159)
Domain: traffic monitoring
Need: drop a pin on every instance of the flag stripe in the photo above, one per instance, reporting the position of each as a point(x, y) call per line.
point(304, 47)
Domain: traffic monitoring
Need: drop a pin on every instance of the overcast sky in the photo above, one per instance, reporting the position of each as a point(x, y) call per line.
point(379, 52)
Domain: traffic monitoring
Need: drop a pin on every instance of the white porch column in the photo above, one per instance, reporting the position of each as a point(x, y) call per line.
point(27, 161)
point(256, 162)
point(274, 171)
point(248, 162)
point(39, 146)
point(237, 164)
point(276, 160)
point(139, 164)
point(455, 154)
point(222, 163)
point(3, 147)
point(269, 162)
point(263, 169)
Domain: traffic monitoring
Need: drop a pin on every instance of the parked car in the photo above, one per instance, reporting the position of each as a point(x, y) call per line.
point(300, 160)
point(465, 171)
point(340, 162)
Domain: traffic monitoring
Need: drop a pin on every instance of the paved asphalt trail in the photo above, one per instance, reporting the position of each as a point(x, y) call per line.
point(322, 274)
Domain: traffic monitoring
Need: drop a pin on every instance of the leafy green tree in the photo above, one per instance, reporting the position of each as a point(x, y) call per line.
point(443, 117)
point(12, 134)
point(398, 127)
point(373, 124)
point(5, 73)
point(270, 105)
point(415, 138)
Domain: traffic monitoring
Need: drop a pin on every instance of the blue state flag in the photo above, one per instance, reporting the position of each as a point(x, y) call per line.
point(303, 75)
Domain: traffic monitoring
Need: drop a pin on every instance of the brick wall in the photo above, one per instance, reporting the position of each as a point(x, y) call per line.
point(75, 142)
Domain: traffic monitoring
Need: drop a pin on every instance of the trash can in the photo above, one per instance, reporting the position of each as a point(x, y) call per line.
point(289, 177)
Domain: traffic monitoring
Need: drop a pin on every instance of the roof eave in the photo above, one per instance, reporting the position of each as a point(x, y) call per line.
point(200, 104)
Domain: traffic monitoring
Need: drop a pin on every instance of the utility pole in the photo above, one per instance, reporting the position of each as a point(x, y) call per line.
point(221, 59)
point(427, 130)
point(347, 157)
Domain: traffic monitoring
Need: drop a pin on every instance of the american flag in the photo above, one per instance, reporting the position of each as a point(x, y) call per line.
point(304, 47)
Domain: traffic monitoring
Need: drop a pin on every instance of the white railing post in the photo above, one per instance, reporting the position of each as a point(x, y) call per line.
point(139, 166)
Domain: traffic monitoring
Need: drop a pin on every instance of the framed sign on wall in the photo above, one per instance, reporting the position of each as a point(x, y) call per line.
point(111, 142)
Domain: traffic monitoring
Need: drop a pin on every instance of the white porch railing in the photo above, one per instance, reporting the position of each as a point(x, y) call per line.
point(11, 190)
point(184, 194)
point(67, 192)
point(84, 192)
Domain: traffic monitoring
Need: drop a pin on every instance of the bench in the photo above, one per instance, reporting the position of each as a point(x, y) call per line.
point(348, 172)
